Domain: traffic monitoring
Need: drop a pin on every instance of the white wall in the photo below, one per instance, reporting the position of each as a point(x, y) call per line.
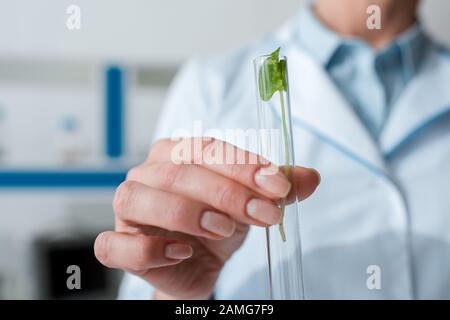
point(162, 30)
point(153, 30)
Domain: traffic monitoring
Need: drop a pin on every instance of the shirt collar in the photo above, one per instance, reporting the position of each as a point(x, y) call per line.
point(412, 44)
point(322, 43)
point(319, 41)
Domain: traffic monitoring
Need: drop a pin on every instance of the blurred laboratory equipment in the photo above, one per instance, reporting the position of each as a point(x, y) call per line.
point(69, 142)
point(3, 134)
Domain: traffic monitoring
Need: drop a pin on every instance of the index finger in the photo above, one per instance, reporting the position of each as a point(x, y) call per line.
point(244, 167)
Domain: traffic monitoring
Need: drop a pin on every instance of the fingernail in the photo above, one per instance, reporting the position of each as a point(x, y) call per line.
point(217, 223)
point(318, 174)
point(178, 251)
point(273, 183)
point(263, 211)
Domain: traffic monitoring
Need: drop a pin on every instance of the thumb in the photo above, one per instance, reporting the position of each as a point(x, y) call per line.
point(305, 181)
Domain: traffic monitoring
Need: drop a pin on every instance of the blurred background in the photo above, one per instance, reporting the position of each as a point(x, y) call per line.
point(78, 108)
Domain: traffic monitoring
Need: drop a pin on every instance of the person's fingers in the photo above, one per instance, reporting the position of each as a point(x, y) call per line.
point(213, 189)
point(137, 203)
point(242, 166)
point(139, 252)
point(305, 181)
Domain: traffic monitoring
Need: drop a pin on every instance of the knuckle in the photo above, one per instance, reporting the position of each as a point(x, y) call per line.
point(124, 197)
point(169, 174)
point(144, 253)
point(134, 173)
point(236, 170)
point(156, 149)
point(226, 194)
point(175, 213)
point(208, 145)
point(204, 152)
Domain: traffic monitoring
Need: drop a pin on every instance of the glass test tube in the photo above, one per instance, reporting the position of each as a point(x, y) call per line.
point(275, 145)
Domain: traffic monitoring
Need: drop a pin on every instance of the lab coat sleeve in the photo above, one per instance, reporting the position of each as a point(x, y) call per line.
point(185, 103)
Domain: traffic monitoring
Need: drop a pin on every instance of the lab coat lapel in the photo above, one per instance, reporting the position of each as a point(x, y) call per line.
point(425, 100)
point(317, 104)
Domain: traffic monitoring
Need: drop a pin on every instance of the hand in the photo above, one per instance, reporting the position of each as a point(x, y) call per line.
point(177, 224)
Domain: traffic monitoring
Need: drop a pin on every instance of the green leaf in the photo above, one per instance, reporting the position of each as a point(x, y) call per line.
point(272, 75)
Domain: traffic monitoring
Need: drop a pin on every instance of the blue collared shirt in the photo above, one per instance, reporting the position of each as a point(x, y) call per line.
point(370, 80)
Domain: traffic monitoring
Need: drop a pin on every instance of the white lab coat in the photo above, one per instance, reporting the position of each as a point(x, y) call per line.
point(385, 204)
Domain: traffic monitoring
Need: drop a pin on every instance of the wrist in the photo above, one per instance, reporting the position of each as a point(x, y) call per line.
point(158, 295)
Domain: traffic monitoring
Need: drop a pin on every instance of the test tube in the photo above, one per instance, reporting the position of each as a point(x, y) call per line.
point(276, 145)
